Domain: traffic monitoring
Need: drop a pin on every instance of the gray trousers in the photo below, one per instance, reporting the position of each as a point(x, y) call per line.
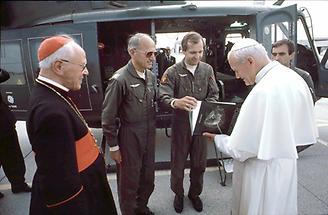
point(183, 144)
point(136, 173)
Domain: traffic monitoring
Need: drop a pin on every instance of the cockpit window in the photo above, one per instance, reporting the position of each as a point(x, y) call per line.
point(12, 62)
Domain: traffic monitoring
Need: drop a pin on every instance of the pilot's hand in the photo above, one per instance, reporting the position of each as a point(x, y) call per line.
point(116, 156)
point(186, 103)
point(209, 135)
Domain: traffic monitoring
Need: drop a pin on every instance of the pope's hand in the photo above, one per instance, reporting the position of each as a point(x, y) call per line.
point(220, 139)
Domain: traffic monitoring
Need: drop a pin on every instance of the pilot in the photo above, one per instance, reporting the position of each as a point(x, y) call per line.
point(283, 51)
point(181, 86)
point(269, 126)
point(70, 176)
point(11, 157)
point(130, 97)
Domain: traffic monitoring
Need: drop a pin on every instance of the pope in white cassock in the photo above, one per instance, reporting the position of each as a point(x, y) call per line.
point(276, 116)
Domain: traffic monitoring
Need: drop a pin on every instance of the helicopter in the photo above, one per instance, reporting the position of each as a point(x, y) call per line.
point(103, 27)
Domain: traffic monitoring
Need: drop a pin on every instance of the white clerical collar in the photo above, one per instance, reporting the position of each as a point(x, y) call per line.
point(141, 74)
point(191, 68)
point(265, 70)
point(49, 81)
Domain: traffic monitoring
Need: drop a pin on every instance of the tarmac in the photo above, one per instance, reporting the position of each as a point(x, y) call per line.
point(312, 178)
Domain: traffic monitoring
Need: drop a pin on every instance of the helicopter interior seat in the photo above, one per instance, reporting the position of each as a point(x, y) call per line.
point(161, 61)
point(234, 89)
point(307, 62)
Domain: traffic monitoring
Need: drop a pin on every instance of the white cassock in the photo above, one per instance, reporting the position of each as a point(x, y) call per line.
point(276, 117)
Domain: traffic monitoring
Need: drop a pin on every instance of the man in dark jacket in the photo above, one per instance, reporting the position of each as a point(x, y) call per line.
point(11, 157)
point(164, 60)
point(130, 98)
point(283, 51)
point(70, 176)
point(181, 86)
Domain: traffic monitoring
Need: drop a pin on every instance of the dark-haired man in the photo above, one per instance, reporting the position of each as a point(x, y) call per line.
point(283, 51)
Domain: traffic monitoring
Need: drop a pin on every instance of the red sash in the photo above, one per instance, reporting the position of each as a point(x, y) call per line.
point(86, 151)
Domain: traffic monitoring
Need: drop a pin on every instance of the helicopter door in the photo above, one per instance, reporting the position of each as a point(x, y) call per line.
point(15, 91)
point(282, 24)
point(275, 25)
point(19, 57)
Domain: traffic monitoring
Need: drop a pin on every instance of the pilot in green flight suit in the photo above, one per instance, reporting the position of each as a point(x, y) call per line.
point(181, 85)
point(130, 97)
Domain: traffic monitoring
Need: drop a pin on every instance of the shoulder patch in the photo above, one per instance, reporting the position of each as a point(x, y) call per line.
point(164, 79)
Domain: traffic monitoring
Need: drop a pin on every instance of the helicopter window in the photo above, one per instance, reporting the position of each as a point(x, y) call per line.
point(233, 37)
point(11, 61)
point(169, 47)
point(275, 32)
point(173, 41)
point(33, 46)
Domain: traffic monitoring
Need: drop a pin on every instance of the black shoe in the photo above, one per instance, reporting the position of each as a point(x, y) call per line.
point(196, 203)
point(143, 211)
point(24, 188)
point(1, 195)
point(178, 203)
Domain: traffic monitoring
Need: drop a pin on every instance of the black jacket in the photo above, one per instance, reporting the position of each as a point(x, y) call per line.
point(7, 118)
point(308, 79)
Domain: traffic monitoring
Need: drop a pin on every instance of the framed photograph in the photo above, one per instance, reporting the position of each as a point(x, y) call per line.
point(214, 117)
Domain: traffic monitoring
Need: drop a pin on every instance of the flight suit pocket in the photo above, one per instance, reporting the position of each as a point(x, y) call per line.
point(136, 92)
point(200, 87)
point(184, 85)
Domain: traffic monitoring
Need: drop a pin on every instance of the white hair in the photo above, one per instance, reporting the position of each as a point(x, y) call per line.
point(63, 52)
point(248, 47)
point(134, 40)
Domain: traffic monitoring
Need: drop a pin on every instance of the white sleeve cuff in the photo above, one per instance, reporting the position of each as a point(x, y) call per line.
point(222, 143)
point(114, 148)
point(172, 103)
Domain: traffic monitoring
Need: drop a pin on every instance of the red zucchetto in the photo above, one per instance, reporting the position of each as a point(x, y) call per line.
point(50, 45)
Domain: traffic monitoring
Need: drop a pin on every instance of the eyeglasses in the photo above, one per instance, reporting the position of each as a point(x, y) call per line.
point(148, 54)
point(84, 66)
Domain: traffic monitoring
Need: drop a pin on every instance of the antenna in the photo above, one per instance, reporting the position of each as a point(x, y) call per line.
point(278, 2)
point(309, 23)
